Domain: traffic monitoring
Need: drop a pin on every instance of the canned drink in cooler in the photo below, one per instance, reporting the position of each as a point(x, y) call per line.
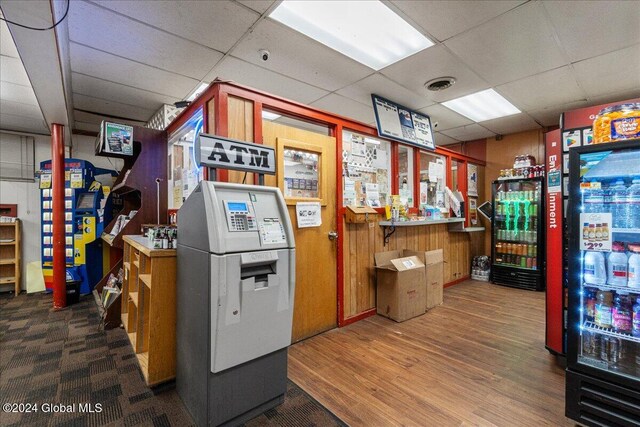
point(591, 344)
point(610, 350)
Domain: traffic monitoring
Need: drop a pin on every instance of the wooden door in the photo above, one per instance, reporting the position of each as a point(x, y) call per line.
point(316, 301)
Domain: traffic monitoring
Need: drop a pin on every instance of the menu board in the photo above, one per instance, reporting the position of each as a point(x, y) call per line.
point(400, 123)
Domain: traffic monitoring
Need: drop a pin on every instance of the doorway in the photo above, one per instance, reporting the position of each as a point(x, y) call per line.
point(307, 173)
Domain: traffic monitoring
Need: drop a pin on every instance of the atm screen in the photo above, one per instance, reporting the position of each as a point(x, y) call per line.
point(235, 206)
point(85, 201)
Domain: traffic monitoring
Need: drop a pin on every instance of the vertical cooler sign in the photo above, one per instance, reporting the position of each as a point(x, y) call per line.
point(595, 233)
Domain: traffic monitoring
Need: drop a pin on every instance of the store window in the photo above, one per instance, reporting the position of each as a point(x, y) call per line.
point(366, 162)
point(184, 174)
point(432, 180)
point(405, 175)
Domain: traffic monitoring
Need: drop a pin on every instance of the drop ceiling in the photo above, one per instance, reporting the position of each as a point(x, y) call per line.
point(127, 58)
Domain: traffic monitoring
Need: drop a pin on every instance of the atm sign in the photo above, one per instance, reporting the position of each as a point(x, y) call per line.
point(217, 152)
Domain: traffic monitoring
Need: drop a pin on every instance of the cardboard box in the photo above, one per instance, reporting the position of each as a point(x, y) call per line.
point(360, 214)
point(434, 275)
point(400, 285)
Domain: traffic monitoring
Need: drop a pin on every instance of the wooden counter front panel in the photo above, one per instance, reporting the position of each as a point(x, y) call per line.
point(362, 241)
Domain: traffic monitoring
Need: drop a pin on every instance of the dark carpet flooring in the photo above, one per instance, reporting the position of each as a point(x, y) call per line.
point(61, 357)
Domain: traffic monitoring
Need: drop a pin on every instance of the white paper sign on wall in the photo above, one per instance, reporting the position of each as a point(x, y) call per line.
point(308, 214)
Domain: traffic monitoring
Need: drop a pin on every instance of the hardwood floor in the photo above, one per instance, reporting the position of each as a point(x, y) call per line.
point(479, 359)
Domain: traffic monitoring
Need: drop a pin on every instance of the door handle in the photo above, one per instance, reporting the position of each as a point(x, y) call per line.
point(333, 235)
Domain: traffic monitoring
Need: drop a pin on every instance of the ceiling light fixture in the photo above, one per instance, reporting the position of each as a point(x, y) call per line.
point(441, 83)
point(268, 115)
point(366, 31)
point(481, 106)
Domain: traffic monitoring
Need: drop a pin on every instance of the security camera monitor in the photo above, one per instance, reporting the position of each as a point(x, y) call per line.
point(486, 210)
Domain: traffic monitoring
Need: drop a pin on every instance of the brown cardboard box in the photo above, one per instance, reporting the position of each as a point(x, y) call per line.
point(400, 285)
point(434, 274)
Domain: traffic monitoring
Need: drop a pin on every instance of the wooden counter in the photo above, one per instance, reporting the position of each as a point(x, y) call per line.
point(422, 222)
point(149, 307)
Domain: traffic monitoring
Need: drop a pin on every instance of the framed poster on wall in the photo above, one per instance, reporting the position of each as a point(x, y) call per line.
point(402, 124)
point(472, 180)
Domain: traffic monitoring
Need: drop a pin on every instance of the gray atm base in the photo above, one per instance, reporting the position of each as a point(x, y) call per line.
point(234, 393)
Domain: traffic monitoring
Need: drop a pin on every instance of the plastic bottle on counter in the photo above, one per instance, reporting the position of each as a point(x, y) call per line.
point(632, 208)
point(621, 314)
point(604, 309)
point(617, 265)
point(594, 272)
point(633, 269)
point(618, 203)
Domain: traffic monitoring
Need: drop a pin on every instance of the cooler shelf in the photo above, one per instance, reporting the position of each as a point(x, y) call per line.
point(592, 327)
point(626, 230)
point(613, 288)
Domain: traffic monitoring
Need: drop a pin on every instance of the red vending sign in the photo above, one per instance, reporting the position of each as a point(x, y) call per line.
point(554, 220)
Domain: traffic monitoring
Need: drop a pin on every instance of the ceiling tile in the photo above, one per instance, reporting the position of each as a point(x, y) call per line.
point(444, 117)
point(193, 20)
point(251, 75)
point(12, 71)
point(414, 71)
point(22, 123)
point(300, 57)
point(518, 44)
point(110, 32)
point(260, 6)
point(442, 139)
point(83, 102)
point(616, 96)
point(96, 119)
point(591, 28)
point(7, 46)
point(469, 132)
point(345, 107)
point(18, 93)
point(443, 19)
point(380, 85)
point(119, 70)
point(550, 116)
point(98, 88)
point(20, 109)
point(511, 124)
point(550, 88)
point(613, 72)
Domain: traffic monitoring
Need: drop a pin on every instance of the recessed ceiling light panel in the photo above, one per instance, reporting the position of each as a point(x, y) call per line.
point(481, 106)
point(366, 31)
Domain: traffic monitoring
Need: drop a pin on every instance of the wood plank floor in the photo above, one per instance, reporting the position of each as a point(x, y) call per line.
point(479, 359)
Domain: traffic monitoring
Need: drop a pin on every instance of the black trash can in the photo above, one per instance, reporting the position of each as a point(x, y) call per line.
point(73, 291)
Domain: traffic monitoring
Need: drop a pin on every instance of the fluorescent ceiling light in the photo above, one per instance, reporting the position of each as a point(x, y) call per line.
point(367, 31)
point(197, 92)
point(480, 106)
point(268, 115)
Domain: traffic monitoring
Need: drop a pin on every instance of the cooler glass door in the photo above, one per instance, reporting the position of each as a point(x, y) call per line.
point(515, 229)
point(605, 278)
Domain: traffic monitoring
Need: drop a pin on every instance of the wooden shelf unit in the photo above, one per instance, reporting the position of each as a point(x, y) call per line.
point(149, 309)
point(11, 254)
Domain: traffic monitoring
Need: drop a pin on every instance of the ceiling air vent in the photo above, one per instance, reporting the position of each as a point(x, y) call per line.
point(441, 83)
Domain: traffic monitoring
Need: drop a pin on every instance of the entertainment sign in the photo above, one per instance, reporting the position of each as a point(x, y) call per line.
point(217, 152)
point(400, 123)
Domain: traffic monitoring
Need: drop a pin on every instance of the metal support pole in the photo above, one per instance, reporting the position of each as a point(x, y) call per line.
point(261, 179)
point(57, 195)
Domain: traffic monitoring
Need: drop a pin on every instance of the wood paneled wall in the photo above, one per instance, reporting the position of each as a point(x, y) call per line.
point(362, 241)
point(240, 118)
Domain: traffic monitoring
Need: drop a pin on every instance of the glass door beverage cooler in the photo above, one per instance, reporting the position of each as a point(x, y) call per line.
point(517, 233)
point(603, 372)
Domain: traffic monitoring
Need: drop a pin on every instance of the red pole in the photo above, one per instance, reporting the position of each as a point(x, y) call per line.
point(57, 170)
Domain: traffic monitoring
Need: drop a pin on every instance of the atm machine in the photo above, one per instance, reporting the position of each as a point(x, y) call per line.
point(235, 292)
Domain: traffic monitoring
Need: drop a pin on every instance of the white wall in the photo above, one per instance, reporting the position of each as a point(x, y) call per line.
point(27, 195)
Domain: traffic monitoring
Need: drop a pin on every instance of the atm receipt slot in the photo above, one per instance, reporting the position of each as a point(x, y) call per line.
point(240, 216)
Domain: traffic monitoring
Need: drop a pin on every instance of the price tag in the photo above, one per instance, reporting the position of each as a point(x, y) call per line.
point(595, 232)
